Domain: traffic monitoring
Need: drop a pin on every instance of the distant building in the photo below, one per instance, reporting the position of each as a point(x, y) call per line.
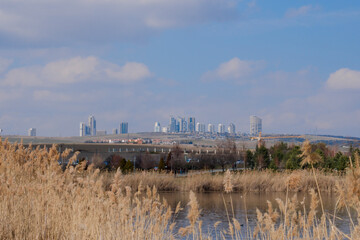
point(172, 125)
point(83, 129)
point(231, 128)
point(255, 125)
point(114, 131)
point(200, 128)
point(101, 133)
point(32, 132)
point(92, 125)
point(165, 129)
point(221, 128)
point(211, 128)
point(197, 128)
point(157, 127)
point(182, 125)
point(88, 130)
point(191, 124)
point(124, 128)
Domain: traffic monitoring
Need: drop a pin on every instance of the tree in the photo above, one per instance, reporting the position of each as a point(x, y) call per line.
point(278, 152)
point(226, 153)
point(161, 164)
point(113, 162)
point(249, 158)
point(262, 157)
point(177, 161)
point(340, 162)
point(145, 161)
point(207, 161)
point(293, 158)
point(122, 164)
point(129, 166)
point(168, 161)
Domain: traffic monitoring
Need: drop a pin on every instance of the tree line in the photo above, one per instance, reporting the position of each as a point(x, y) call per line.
point(277, 157)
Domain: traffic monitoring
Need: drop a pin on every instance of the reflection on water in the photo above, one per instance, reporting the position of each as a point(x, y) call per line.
point(213, 208)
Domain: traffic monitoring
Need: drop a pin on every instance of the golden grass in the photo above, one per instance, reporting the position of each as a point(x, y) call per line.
point(38, 200)
point(249, 181)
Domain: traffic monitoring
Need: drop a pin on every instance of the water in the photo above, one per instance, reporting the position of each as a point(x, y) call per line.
point(214, 209)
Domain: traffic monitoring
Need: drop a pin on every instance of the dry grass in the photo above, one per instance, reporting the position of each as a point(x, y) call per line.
point(249, 181)
point(38, 200)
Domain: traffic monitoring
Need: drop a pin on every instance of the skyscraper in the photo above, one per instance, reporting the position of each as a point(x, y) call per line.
point(191, 124)
point(124, 128)
point(255, 125)
point(211, 128)
point(172, 125)
point(221, 128)
point(197, 128)
point(231, 128)
point(200, 127)
point(182, 124)
point(83, 129)
point(32, 132)
point(157, 127)
point(92, 125)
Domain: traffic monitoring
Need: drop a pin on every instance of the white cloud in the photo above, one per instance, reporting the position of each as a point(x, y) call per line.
point(344, 78)
point(77, 69)
point(234, 70)
point(130, 72)
point(107, 20)
point(4, 64)
point(301, 11)
point(46, 95)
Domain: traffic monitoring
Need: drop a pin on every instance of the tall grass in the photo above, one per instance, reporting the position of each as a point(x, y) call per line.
point(248, 181)
point(40, 200)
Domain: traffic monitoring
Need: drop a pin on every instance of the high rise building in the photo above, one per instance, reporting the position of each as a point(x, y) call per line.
point(191, 124)
point(114, 131)
point(157, 127)
point(124, 128)
point(92, 125)
point(182, 124)
point(165, 129)
point(211, 128)
point(231, 128)
point(255, 125)
point(221, 128)
point(172, 125)
point(197, 128)
point(83, 129)
point(32, 132)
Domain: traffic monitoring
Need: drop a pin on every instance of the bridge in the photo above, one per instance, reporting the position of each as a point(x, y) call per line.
point(128, 151)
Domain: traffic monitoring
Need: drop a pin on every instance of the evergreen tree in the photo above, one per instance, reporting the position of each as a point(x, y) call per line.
point(161, 164)
point(249, 158)
point(129, 166)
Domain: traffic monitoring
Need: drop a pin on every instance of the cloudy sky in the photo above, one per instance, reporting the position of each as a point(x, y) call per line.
point(295, 64)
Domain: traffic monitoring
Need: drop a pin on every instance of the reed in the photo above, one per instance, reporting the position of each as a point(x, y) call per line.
point(40, 200)
point(247, 181)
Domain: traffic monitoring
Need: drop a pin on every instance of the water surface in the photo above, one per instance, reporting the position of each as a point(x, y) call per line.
point(216, 206)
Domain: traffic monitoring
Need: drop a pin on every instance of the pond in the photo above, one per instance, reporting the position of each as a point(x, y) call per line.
point(215, 205)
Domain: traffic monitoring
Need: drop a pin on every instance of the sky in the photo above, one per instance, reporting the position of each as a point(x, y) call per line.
point(295, 64)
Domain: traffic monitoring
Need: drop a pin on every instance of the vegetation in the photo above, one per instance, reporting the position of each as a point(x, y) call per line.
point(41, 200)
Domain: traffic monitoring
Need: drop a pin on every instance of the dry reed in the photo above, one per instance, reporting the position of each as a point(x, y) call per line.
point(39, 200)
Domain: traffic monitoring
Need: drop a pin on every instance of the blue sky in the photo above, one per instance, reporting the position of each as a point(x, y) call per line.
point(295, 64)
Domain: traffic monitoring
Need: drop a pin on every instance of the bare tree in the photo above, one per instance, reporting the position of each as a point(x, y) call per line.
point(177, 161)
point(226, 153)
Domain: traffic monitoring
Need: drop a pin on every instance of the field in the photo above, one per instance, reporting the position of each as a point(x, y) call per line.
point(40, 200)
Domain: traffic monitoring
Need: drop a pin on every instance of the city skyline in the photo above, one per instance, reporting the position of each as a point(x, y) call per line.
point(294, 63)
